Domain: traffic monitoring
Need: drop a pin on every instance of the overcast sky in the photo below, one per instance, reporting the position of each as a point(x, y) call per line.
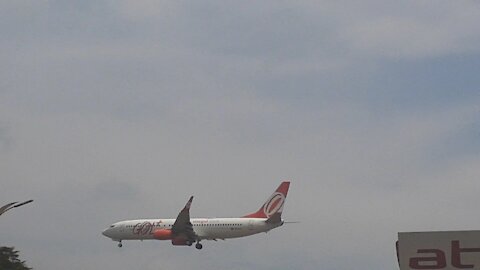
point(113, 110)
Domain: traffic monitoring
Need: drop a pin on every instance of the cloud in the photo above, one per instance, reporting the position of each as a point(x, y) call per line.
point(349, 171)
point(448, 30)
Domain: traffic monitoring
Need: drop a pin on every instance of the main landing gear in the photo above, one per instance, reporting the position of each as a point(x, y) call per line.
point(198, 245)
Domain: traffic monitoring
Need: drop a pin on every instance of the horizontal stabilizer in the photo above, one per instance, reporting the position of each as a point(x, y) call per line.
point(275, 218)
point(23, 203)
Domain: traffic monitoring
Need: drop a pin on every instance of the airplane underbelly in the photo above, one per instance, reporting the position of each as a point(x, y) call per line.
point(225, 233)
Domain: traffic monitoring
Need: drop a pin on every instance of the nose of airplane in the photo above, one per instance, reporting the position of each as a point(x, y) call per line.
point(105, 232)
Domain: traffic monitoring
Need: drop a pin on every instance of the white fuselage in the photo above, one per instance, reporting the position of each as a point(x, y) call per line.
point(204, 228)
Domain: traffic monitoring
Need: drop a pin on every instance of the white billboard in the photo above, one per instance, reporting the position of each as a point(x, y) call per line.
point(439, 250)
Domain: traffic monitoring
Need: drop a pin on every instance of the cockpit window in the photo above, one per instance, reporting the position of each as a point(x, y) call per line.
point(111, 226)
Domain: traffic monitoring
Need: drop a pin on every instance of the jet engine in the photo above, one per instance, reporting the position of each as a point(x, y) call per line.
point(181, 242)
point(162, 234)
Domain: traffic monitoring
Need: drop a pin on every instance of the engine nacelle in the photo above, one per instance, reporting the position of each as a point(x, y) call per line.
point(180, 242)
point(163, 234)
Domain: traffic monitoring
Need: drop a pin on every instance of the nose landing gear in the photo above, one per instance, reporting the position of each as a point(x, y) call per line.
point(120, 244)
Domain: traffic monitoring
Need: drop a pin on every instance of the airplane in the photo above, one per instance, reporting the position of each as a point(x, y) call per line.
point(184, 231)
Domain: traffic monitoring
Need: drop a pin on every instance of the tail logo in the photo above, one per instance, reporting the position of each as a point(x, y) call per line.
point(274, 204)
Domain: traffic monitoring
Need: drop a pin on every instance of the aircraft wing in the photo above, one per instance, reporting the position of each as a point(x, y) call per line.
point(182, 226)
point(6, 207)
point(9, 206)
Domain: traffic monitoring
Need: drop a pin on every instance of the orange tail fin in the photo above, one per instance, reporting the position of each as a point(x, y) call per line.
point(274, 204)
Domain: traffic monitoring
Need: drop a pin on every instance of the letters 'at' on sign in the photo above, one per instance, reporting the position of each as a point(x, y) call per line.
point(438, 259)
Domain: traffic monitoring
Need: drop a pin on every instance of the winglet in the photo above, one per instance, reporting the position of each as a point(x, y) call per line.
point(189, 203)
